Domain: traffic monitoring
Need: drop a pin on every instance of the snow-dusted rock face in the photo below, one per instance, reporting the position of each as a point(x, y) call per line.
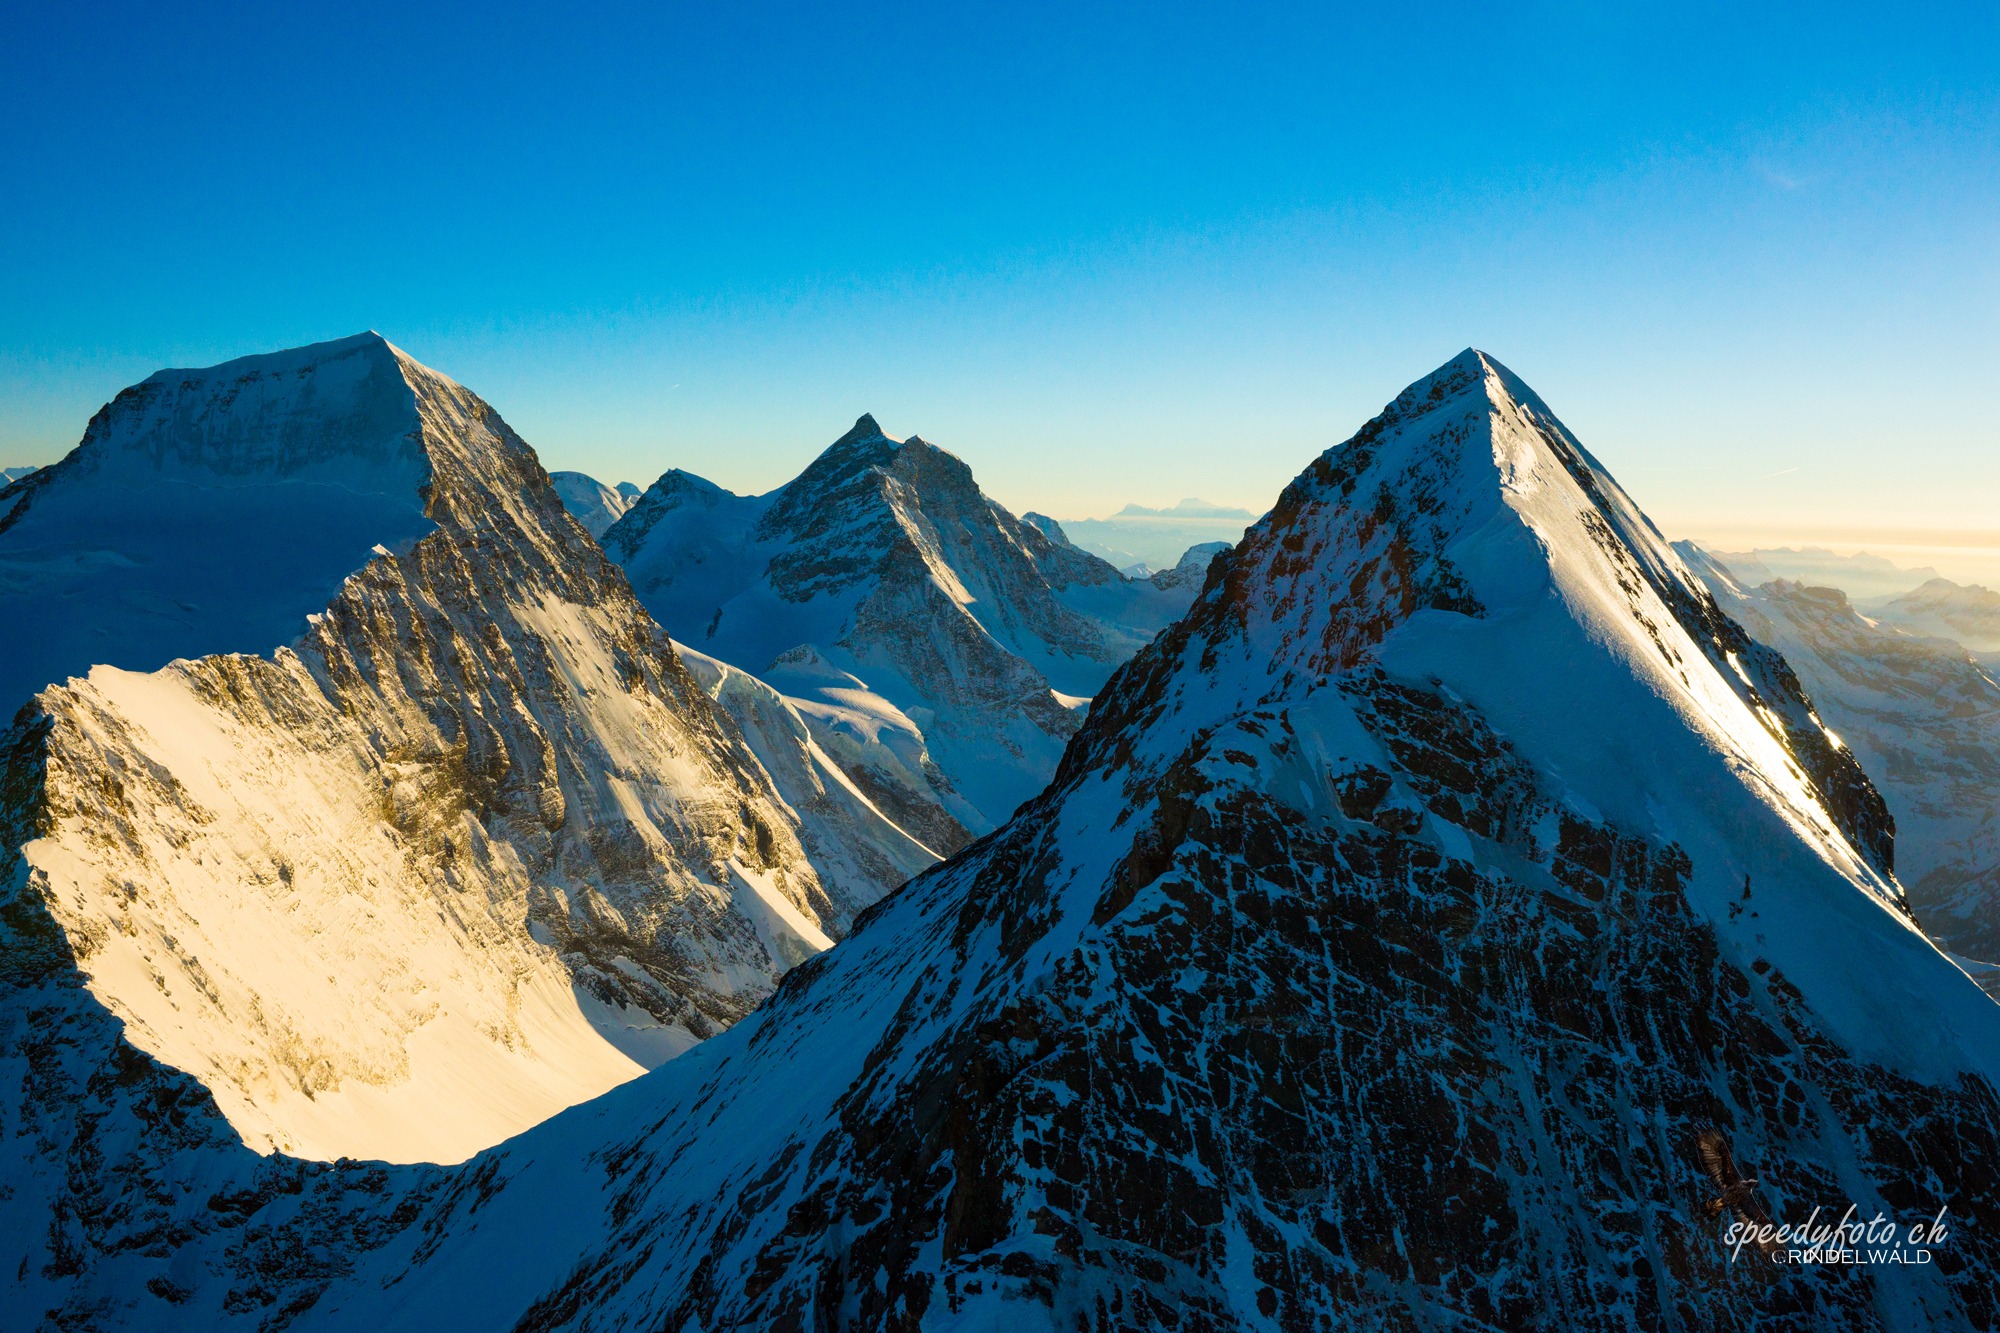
point(473, 847)
point(880, 590)
point(1390, 929)
point(1048, 527)
point(1969, 615)
point(1924, 719)
point(591, 502)
point(848, 838)
point(1192, 568)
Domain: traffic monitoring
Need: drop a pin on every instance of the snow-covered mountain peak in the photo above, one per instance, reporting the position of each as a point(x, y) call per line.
point(591, 502)
point(974, 636)
point(866, 475)
point(213, 510)
point(1467, 520)
point(437, 833)
point(338, 411)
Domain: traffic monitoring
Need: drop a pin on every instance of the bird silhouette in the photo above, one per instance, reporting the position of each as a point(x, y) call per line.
point(1738, 1196)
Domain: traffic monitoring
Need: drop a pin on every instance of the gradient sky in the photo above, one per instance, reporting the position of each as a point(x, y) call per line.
point(1753, 259)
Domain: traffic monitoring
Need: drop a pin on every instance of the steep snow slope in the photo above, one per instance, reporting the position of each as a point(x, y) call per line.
point(471, 848)
point(1923, 718)
point(208, 511)
point(886, 586)
point(592, 503)
point(848, 838)
point(1390, 928)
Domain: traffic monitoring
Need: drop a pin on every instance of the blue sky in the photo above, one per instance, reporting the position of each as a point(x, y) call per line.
point(1132, 255)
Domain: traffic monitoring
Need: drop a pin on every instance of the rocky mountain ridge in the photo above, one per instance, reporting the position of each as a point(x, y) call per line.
point(939, 647)
point(473, 846)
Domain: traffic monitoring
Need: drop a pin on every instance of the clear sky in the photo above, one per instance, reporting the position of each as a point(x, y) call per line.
point(1750, 253)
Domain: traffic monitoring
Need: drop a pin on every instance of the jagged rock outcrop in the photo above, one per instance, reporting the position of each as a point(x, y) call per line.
point(881, 591)
point(1922, 717)
point(474, 846)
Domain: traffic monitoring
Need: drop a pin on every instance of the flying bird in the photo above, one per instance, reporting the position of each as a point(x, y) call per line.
point(1738, 1196)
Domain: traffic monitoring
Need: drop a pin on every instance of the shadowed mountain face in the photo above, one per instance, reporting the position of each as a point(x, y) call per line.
point(939, 648)
point(473, 847)
point(208, 511)
point(1924, 719)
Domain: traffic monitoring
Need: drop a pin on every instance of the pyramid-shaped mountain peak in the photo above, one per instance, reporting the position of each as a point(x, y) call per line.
point(1467, 519)
point(1405, 928)
point(864, 428)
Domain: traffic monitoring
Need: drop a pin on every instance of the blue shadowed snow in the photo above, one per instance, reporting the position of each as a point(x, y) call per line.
point(209, 511)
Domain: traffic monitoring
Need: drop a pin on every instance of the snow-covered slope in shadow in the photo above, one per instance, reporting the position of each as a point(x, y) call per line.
point(208, 511)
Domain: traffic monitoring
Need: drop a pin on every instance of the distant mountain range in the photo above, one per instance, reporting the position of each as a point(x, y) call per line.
point(1189, 508)
point(1969, 616)
point(1861, 576)
point(1155, 539)
point(1374, 922)
point(1921, 714)
point(591, 502)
